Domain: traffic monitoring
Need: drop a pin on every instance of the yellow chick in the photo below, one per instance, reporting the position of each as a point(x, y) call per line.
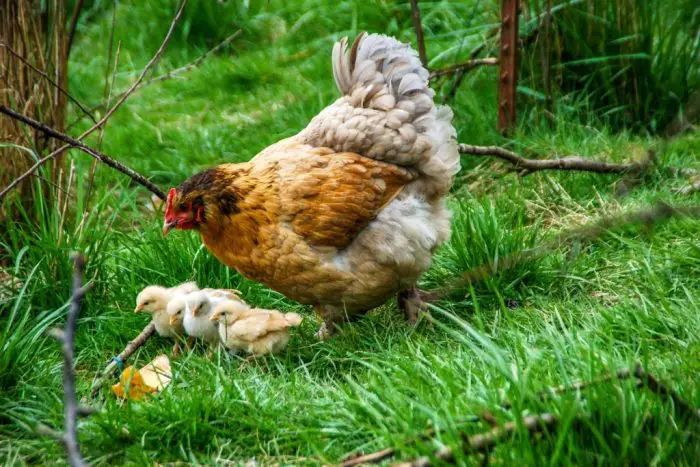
point(253, 330)
point(154, 299)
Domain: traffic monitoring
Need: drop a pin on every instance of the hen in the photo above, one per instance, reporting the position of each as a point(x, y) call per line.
point(350, 210)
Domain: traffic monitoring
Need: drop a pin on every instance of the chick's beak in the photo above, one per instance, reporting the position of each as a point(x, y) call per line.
point(195, 311)
point(172, 320)
point(138, 308)
point(215, 316)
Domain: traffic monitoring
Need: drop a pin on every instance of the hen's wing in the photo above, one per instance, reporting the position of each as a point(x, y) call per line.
point(257, 325)
point(328, 199)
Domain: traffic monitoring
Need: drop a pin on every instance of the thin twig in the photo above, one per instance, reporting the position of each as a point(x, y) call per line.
point(527, 166)
point(130, 348)
point(111, 111)
point(77, 144)
point(415, 15)
point(49, 79)
point(372, 458)
point(67, 339)
point(177, 71)
point(483, 442)
point(690, 188)
point(464, 66)
point(622, 374)
point(648, 215)
point(73, 25)
point(651, 382)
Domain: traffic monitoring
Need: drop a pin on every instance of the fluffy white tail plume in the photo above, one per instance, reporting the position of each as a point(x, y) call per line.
point(387, 112)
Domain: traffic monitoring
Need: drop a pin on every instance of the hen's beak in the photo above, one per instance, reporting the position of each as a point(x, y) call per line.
point(215, 316)
point(138, 308)
point(168, 226)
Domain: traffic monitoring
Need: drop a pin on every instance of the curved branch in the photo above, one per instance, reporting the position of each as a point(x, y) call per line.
point(111, 111)
point(528, 166)
point(76, 144)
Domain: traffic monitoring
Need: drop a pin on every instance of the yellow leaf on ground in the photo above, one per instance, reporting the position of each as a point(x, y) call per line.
point(153, 377)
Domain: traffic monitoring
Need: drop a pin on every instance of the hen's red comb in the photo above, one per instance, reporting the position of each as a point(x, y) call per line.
point(169, 205)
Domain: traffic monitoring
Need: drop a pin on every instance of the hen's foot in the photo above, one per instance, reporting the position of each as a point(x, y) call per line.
point(246, 361)
point(411, 302)
point(325, 331)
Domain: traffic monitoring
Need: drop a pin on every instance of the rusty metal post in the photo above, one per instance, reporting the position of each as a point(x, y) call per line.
point(508, 77)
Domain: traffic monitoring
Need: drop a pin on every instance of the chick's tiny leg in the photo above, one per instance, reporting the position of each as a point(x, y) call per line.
point(411, 304)
point(176, 348)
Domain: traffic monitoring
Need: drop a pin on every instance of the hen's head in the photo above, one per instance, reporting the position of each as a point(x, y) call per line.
point(186, 204)
point(202, 199)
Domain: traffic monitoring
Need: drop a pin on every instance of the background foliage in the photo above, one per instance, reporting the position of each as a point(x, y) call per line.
point(621, 71)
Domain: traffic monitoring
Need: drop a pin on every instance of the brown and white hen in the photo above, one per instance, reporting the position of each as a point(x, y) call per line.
point(349, 211)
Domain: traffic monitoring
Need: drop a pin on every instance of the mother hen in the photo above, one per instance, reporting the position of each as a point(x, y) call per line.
point(349, 211)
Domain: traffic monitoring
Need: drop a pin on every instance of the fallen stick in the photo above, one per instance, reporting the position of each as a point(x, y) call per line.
point(654, 385)
point(137, 177)
point(527, 166)
point(646, 216)
point(130, 348)
point(625, 373)
point(483, 442)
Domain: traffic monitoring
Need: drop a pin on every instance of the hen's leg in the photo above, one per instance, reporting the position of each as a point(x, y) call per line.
point(332, 317)
point(411, 303)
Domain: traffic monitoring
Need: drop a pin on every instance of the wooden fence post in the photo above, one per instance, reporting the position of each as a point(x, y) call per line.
point(508, 77)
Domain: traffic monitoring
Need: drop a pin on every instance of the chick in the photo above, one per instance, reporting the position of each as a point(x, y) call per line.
point(154, 299)
point(253, 330)
point(194, 310)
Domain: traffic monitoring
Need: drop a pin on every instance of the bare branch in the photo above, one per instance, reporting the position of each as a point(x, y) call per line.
point(485, 441)
point(77, 144)
point(528, 166)
point(130, 348)
point(625, 373)
point(70, 437)
point(689, 189)
point(415, 15)
point(661, 389)
point(177, 71)
point(372, 458)
point(198, 61)
point(111, 111)
point(49, 79)
point(648, 216)
point(73, 24)
point(464, 66)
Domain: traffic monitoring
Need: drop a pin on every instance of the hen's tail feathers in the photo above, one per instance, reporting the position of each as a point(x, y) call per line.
point(294, 319)
point(387, 111)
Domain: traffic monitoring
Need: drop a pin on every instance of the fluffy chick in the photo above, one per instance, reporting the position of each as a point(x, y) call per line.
point(253, 330)
point(154, 299)
point(194, 310)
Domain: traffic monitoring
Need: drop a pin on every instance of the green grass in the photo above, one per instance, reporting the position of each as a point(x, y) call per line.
point(578, 313)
